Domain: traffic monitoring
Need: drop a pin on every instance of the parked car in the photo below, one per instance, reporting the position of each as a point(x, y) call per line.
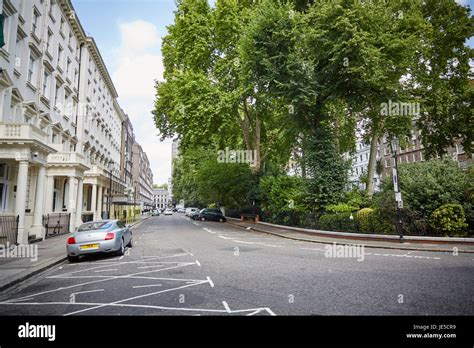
point(190, 211)
point(195, 215)
point(181, 210)
point(104, 236)
point(168, 212)
point(211, 215)
point(155, 213)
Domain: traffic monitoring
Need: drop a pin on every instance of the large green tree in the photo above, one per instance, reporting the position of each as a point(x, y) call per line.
point(204, 99)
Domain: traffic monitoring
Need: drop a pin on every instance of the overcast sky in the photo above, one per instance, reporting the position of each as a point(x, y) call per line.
point(128, 33)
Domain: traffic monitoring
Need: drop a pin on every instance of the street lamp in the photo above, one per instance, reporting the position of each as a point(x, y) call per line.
point(110, 165)
point(395, 142)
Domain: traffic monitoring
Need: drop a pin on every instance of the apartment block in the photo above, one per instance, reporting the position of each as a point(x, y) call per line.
point(62, 146)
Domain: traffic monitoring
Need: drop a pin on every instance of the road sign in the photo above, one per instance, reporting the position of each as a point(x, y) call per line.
point(400, 204)
point(398, 196)
point(395, 179)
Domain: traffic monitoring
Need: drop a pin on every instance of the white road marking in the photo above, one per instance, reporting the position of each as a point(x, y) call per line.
point(85, 292)
point(223, 237)
point(251, 310)
point(226, 306)
point(106, 270)
point(197, 263)
point(146, 286)
point(211, 283)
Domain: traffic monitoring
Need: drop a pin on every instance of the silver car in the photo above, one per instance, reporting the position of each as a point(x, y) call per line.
point(104, 236)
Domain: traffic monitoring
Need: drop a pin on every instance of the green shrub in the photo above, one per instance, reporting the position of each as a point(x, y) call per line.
point(366, 220)
point(450, 220)
point(341, 208)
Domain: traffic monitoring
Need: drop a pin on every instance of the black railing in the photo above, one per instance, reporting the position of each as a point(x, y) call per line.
point(374, 222)
point(8, 229)
point(56, 224)
point(87, 217)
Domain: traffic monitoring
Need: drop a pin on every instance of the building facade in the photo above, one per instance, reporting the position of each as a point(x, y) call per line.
point(160, 198)
point(61, 127)
point(359, 165)
point(142, 177)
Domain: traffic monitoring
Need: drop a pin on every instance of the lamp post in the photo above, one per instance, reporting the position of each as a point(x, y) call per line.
point(110, 165)
point(395, 142)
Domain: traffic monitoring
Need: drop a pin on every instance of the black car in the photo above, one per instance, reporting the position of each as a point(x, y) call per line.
point(211, 215)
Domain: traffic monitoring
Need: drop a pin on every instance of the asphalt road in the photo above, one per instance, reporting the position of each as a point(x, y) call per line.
point(182, 267)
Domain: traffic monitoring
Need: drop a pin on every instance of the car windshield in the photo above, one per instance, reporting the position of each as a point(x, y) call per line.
point(100, 225)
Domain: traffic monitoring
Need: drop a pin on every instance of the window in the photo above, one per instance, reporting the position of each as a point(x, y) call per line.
point(60, 55)
point(32, 67)
point(69, 40)
point(61, 25)
point(35, 24)
point(46, 83)
point(76, 74)
point(57, 95)
point(48, 40)
point(68, 66)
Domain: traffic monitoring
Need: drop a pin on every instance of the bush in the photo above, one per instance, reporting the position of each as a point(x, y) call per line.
point(341, 208)
point(449, 219)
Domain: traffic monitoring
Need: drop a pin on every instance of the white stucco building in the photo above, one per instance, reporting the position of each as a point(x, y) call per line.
point(359, 165)
point(60, 123)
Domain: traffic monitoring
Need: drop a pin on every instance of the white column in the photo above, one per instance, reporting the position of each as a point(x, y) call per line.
point(94, 201)
point(37, 227)
point(48, 200)
point(79, 201)
point(99, 204)
point(71, 206)
point(20, 202)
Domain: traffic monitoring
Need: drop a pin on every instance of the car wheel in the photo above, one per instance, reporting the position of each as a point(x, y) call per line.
point(203, 219)
point(73, 259)
point(130, 244)
point(221, 220)
point(121, 250)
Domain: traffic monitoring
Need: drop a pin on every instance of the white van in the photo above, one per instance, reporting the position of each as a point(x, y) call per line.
point(190, 211)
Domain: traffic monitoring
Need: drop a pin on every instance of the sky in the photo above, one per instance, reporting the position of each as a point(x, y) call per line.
point(128, 33)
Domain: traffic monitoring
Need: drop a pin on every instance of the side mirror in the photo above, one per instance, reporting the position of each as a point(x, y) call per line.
point(128, 226)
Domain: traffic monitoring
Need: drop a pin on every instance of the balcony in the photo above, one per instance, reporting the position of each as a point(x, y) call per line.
point(67, 159)
point(21, 132)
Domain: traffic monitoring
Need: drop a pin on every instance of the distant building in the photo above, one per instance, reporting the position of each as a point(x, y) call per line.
point(160, 198)
point(142, 178)
point(359, 165)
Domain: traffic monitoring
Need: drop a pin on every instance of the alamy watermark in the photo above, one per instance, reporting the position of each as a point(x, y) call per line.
point(27, 251)
point(237, 156)
point(399, 108)
point(345, 251)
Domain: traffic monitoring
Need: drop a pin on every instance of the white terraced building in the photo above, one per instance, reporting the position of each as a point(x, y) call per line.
point(60, 123)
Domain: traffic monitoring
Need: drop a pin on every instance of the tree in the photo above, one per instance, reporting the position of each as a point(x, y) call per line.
point(205, 100)
point(442, 78)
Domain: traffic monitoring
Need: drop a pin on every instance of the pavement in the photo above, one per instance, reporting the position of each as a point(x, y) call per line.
point(182, 267)
point(41, 256)
point(314, 237)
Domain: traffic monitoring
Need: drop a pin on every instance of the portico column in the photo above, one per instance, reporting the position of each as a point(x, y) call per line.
point(20, 202)
point(99, 205)
point(37, 227)
point(79, 201)
point(48, 200)
point(94, 201)
point(71, 206)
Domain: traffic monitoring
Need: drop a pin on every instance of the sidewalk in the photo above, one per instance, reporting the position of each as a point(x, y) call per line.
point(316, 238)
point(50, 252)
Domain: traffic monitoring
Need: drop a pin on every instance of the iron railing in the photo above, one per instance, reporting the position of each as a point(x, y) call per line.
point(56, 224)
point(8, 229)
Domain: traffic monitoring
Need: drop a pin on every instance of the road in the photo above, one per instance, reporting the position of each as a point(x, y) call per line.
point(182, 267)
